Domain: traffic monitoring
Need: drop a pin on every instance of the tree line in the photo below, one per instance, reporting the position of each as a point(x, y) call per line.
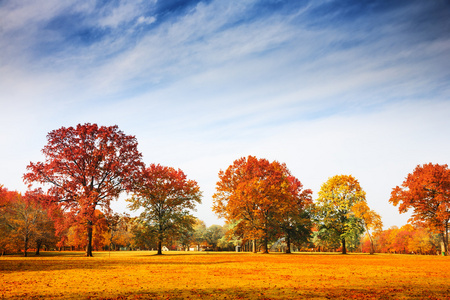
point(264, 205)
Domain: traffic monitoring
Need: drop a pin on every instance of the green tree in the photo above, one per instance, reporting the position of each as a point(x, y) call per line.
point(213, 234)
point(334, 212)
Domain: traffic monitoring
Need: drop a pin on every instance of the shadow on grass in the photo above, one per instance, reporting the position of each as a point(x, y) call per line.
point(269, 292)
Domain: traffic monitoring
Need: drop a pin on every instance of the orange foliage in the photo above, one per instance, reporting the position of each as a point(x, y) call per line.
point(258, 195)
point(427, 192)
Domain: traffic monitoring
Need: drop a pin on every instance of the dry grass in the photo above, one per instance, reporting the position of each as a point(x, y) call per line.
point(142, 275)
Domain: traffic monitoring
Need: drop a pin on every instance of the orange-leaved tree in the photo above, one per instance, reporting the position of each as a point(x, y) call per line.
point(87, 166)
point(371, 221)
point(427, 192)
point(256, 195)
point(334, 205)
point(24, 221)
point(167, 197)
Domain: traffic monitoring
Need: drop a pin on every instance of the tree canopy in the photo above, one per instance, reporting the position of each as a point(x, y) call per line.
point(334, 205)
point(166, 197)
point(427, 192)
point(256, 195)
point(87, 166)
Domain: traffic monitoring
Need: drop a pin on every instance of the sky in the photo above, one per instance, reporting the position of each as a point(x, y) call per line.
point(328, 87)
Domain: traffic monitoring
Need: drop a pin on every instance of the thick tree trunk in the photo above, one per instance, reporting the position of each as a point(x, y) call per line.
point(89, 240)
point(38, 248)
point(266, 242)
point(288, 244)
point(344, 250)
point(159, 247)
point(254, 246)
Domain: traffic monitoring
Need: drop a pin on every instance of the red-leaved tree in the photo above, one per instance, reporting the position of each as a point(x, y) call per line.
point(87, 166)
point(166, 197)
point(427, 192)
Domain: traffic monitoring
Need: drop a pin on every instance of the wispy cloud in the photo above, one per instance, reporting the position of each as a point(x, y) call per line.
point(325, 86)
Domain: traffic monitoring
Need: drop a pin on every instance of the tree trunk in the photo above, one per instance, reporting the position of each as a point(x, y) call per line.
point(372, 247)
point(254, 246)
point(288, 244)
point(445, 237)
point(266, 242)
point(25, 246)
point(89, 240)
point(344, 250)
point(159, 247)
point(38, 247)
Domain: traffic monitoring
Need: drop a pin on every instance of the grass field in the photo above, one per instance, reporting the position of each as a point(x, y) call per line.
point(184, 275)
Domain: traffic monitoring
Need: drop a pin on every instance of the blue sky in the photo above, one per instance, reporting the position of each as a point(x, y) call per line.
point(327, 87)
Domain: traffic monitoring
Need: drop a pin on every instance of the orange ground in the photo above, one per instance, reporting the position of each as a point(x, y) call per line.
point(181, 275)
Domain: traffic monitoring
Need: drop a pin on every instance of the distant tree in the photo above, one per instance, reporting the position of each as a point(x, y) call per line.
point(198, 236)
point(167, 197)
point(87, 167)
point(213, 234)
point(295, 223)
point(334, 212)
point(26, 222)
point(371, 221)
point(119, 230)
point(254, 194)
point(229, 241)
point(427, 192)
point(144, 236)
point(7, 241)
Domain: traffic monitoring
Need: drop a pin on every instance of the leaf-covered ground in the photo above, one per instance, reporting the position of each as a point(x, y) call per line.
point(178, 275)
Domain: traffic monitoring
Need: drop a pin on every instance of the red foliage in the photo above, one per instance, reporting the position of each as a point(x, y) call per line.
point(427, 192)
point(86, 167)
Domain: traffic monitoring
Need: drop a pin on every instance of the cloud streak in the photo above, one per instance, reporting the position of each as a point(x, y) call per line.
point(326, 86)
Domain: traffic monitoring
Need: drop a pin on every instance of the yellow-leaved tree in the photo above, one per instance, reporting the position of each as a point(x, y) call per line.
point(334, 214)
point(371, 221)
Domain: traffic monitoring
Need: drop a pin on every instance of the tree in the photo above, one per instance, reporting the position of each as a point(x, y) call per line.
point(119, 230)
point(295, 224)
point(23, 222)
point(427, 192)
point(213, 234)
point(166, 197)
point(371, 221)
point(87, 167)
point(198, 236)
point(254, 194)
point(334, 205)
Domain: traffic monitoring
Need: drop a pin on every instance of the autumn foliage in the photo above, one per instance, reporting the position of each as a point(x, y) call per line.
point(166, 197)
point(335, 212)
point(86, 167)
point(427, 192)
point(24, 223)
point(258, 195)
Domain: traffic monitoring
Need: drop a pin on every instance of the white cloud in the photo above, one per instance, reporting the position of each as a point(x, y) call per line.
point(208, 87)
point(146, 20)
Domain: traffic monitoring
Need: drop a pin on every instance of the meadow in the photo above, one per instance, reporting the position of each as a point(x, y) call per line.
point(203, 275)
